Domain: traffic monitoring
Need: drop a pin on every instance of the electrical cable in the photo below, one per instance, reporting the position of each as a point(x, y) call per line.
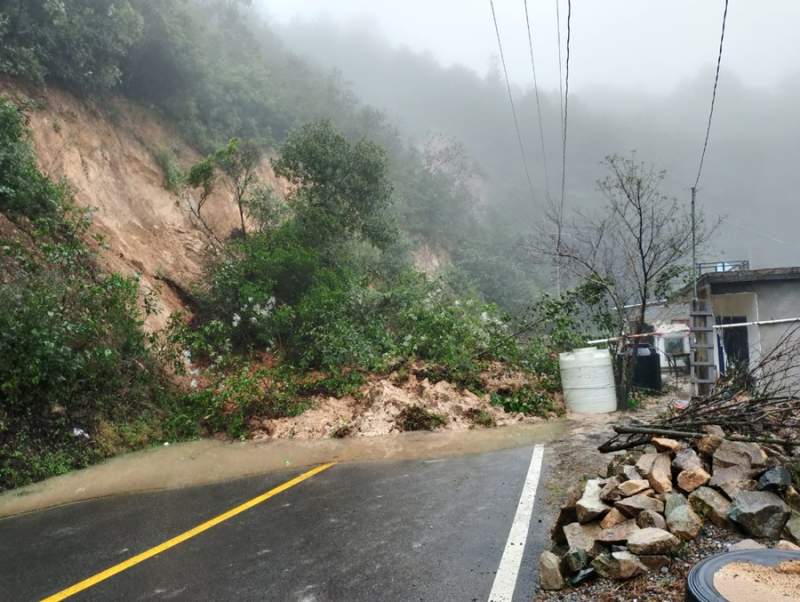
point(560, 68)
point(713, 95)
point(538, 104)
point(566, 113)
point(511, 102)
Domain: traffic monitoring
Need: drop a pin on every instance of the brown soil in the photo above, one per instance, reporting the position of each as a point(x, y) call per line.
point(106, 153)
point(747, 581)
point(377, 409)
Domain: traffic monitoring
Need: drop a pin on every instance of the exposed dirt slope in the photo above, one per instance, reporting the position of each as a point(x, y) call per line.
point(106, 151)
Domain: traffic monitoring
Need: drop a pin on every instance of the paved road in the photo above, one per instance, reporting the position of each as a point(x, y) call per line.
point(413, 530)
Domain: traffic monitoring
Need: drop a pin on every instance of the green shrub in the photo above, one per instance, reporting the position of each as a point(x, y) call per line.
point(73, 355)
point(24, 191)
point(417, 418)
point(526, 399)
point(174, 177)
point(480, 417)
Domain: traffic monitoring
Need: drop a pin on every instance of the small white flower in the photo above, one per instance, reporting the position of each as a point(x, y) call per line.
point(193, 384)
point(76, 432)
point(236, 319)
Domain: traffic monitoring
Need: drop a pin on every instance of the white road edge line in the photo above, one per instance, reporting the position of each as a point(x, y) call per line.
point(505, 581)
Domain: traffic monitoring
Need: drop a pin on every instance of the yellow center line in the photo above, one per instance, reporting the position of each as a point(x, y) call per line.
point(178, 539)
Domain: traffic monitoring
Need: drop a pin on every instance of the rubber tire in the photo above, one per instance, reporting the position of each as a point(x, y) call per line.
point(700, 582)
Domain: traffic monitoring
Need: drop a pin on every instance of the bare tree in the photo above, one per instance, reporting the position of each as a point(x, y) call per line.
point(632, 251)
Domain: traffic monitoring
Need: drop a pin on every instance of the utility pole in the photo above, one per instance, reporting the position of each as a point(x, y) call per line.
point(702, 330)
point(694, 247)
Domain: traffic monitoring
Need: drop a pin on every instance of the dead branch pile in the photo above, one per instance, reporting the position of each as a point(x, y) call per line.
point(760, 404)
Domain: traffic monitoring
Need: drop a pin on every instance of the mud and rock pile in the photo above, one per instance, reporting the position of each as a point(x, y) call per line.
point(653, 501)
point(381, 406)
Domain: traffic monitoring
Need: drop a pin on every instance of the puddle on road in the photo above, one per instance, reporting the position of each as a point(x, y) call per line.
point(209, 461)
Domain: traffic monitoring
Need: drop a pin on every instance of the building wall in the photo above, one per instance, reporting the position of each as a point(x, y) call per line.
point(762, 301)
point(777, 300)
point(746, 304)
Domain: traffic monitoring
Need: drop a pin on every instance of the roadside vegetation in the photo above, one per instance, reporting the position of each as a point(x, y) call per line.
point(313, 295)
point(310, 300)
point(79, 379)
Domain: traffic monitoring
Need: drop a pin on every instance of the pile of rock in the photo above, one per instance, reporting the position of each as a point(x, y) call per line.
point(652, 501)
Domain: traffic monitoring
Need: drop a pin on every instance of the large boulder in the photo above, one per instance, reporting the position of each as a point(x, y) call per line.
point(684, 523)
point(652, 541)
point(708, 444)
point(583, 537)
point(686, 459)
point(649, 518)
point(614, 517)
point(645, 464)
point(663, 444)
point(574, 561)
point(566, 513)
point(590, 506)
point(672, 501)
point(550, 577)
point(618, 534)
point(632, 487)
point(793, 526)
point(734, 479)
point(775, 479)
point(609, 492)
point(759, 513)
point(618, 565)
point(739, 453)
point(631, 473)
point(692, 478)
point(660, 476)
point(632, 506)
point(711, 505)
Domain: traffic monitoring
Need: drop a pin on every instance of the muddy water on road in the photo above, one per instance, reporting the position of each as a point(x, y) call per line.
point(208, 461)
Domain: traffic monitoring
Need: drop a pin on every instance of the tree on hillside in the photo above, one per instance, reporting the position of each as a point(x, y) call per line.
point(632, 252)
point(80, 43)
point(340, 189)
point(238, 160)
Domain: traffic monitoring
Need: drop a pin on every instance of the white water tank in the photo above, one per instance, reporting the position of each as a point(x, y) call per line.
point(587, 378)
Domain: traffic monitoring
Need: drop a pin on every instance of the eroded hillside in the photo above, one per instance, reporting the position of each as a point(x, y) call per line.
point(107, 152)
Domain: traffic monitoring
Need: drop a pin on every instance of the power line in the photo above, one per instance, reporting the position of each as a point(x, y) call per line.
point(538, 105)
point(713, 95)
point(566, 110)
point(560, 68)
point(511, 101)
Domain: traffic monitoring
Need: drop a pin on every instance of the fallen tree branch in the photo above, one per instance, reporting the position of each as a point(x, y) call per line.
point(649, 430)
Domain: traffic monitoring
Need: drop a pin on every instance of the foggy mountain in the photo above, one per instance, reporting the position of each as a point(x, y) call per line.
point(749, 176)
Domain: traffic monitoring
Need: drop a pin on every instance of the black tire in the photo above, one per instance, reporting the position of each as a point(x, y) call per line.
point(700, 582)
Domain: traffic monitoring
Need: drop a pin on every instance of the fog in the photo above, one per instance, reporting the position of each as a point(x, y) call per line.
point(640, 79)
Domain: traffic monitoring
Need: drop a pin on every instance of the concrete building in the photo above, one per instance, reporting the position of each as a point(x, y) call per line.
point(752, 310)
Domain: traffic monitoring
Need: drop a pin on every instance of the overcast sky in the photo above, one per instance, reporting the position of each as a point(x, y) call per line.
point(650, 45)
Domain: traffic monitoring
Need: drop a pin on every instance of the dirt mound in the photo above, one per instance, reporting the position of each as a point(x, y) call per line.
point(377, 408)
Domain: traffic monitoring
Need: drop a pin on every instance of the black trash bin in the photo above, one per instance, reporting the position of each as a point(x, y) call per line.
point(646, 367)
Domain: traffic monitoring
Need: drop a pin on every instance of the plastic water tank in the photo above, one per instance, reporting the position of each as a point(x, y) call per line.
point(587, 378)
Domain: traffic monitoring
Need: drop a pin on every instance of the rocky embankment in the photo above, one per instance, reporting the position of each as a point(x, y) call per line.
point(653, 503)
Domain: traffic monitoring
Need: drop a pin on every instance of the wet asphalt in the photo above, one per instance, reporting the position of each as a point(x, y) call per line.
point(422, 530)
